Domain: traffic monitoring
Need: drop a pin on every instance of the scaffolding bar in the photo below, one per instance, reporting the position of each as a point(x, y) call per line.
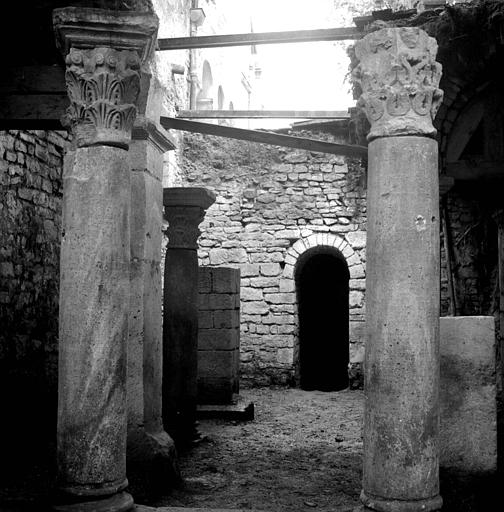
point(290, 36)
point(274, 139)
point(262, 114)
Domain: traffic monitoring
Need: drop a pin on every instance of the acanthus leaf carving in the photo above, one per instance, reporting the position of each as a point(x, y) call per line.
point(399, 79)
point(103, 85)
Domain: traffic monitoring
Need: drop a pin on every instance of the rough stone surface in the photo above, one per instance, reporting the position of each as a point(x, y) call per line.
point(273, 204)
point(401, 458)
point(30, 220)
point(93, 329)
point(468, 430)
point(218, 335)
point(184, 210)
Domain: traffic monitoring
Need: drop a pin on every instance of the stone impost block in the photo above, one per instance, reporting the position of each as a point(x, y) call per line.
point(218, 339)
point(468, 431)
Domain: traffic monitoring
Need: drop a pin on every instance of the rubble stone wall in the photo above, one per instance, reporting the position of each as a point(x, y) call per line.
point(272, 205)
point(30, 223)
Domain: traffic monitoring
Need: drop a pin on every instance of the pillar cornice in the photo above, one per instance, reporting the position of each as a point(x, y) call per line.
point(145, 129)
point(399, 78)
point(104, 51)
point(184, 210)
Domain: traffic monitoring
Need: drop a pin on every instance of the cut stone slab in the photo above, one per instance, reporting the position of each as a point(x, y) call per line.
point(239, 411)
point(468, 433)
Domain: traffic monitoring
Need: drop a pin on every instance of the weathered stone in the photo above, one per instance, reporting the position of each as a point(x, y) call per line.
point(224, 256)
point(94, 281)
point(468, 430)
point(255, 308)
point(357, 239)
point(401, 468)
point(185, 209)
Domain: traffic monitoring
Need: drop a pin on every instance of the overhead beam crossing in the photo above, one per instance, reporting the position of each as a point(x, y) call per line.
point(253, 38)
point(264, 137)
point(262, 114)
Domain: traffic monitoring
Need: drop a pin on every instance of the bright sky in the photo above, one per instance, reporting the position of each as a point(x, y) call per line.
point(300, 76)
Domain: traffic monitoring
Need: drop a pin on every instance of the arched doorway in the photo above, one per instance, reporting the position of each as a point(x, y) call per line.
point(322, 279)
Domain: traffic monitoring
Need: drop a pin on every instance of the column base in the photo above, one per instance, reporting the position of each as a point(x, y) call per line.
point(383, 505)
point(122, 502)
point(152, 459)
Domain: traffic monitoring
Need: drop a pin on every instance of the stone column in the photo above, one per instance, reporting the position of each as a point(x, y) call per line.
point(104, 51)
point(151, 452)
point(184, 209)
point(399, 79)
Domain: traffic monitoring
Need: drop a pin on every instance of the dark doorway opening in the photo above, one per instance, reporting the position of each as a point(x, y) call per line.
point(322, 291)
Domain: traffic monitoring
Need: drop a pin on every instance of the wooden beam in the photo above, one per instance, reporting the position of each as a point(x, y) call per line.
point(291, 36)
point(32, 111)
point(274, 139)
point(262, 114)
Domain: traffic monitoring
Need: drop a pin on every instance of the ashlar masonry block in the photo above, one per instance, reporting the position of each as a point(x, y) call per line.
point(218, 335)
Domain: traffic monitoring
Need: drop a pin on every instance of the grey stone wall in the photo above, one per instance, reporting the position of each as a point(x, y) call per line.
point(218, 335)
point(273, 204)
point(30, 221)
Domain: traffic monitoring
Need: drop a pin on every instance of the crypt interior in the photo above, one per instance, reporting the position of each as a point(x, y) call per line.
point(200, 310)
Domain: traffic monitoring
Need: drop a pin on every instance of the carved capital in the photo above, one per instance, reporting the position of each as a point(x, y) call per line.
point(185, 209)
point(399, 78)
point(104, 51)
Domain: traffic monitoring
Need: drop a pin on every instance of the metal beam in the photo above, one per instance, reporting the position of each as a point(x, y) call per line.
point(262, 114)
point(274, 139)
point(291, 36)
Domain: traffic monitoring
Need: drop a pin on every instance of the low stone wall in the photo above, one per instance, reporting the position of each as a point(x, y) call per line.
point(218, 335)
point(468, 430)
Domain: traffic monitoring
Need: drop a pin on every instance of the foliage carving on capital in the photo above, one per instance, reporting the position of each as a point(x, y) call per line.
point(183, 226)
point(103, 86)
point(399, 80)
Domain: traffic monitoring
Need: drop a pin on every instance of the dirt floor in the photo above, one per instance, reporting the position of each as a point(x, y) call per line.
point(302, 451)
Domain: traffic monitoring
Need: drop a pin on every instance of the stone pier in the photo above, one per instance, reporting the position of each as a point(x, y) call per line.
point(184, 210)
point(104, 51)
point(151, 453)
point(399, 79)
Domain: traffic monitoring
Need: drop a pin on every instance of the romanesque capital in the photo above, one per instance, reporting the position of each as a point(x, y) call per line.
point(185, 209)
point(399, 78)
point(104, 51)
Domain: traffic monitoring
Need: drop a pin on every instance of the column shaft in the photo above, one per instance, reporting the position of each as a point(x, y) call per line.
point(399, 78)
point(184, 209)
point(94, 291)
point(402, 308)
point(180, 342)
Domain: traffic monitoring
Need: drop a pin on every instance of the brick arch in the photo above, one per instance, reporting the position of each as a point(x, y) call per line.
point(356, 269)
point(316, 240)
